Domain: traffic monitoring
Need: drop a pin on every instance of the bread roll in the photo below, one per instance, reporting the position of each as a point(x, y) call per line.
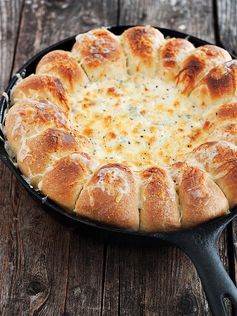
point(197, 64)
point(42, 88)
point(100, 54)
point(28, 117)
point(63, 65)
point(218, 86)
point(170, 55)
point(159, 202)
point(226, 132)
point(111, 196)
point(220, 160)
point(65, 179)
point(37, 153)
point(140, 45)
point(221, 123)
point(200, 198)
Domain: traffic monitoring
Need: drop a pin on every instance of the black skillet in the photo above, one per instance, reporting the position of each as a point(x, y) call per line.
point(199, 243)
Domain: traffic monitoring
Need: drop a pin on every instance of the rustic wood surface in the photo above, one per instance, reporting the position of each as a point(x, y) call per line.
point(50, 268)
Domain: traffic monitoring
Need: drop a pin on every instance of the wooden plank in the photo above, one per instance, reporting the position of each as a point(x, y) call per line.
point(225, 20)
point(85, 279)
point(54, 20)
point(226, 17)
point(10, 13)
point(181, 15)
point(110, 300)
point(36, 244)
point(152, 281)
point(162, 280)
point(38, 278)
point(233, 250)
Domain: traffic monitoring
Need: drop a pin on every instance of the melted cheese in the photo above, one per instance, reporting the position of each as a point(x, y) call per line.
point(140, 122)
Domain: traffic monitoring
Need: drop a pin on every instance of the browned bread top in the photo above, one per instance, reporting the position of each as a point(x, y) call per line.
point(217, 86)
point(42, 88)
point(65, 179)
point(170, 55)
point(159, 201)
point(28, 117)
point(200, 197)
point(111, 196)
point(63, 65)
point(219, 159)
point(198, 63)
point(100, 53)
point(140, 45)
point(38, 152)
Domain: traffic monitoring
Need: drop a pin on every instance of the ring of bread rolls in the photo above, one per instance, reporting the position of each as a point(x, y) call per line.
point(57, 159)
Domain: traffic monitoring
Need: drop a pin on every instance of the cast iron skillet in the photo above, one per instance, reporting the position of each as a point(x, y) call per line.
point(199, 243)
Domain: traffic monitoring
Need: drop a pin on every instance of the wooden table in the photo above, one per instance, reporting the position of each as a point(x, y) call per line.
point(50, 268)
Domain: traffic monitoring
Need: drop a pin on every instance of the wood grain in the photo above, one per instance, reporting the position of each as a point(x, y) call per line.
point(10, 15)
point(233, 250)
point(226, 19)
point(36, 273)
point(164, 279)
point(49, 268)
point(161, 282)
point(85, 279)
point(181, 15)
point(111, 293)
point(51, 21)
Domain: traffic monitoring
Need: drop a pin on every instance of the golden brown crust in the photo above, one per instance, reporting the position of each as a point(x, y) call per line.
point(200, 198)
point(221, 80)
point(218, 86)
point(111, 196)
point(227, 111)
point(220, 160)
point(159, 205)
point(63, 65)
point(198, 63)
point(221, 123)
point(28, 117)
point(100, 53)
point(38, 152)
point(170, 55)
point(65, 180)
point(140, 45)
point(226, 132)
point(42, 88)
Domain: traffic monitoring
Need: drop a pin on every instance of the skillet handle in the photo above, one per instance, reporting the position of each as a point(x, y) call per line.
point(201, 245)
point(216, 282)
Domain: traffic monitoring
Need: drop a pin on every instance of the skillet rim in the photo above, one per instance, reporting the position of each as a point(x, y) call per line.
point(27, 69)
